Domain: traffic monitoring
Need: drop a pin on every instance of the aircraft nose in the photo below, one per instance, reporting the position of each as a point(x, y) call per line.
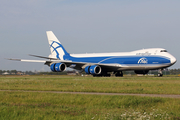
point(173, 60)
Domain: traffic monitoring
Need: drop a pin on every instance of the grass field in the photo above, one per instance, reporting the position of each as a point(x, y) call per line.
point(28, 105)
point(145, 85)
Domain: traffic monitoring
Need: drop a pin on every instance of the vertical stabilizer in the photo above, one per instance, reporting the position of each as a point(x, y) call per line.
point(56, 48)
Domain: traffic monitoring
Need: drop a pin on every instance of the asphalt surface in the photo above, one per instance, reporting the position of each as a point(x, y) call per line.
point(96, 93)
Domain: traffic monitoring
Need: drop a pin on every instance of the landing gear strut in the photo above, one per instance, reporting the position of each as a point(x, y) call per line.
point(119, 74)
point(160, 74)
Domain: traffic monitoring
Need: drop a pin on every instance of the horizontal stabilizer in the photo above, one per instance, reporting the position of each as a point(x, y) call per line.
point(23, 60)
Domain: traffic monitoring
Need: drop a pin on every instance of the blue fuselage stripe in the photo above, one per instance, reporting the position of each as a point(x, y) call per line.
point(121, 59)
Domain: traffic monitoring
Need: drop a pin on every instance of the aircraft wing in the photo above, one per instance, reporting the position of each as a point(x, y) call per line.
point(82, 65)
point(77, 65)
point(49, 62)
point(71, 64)
point(43, 57)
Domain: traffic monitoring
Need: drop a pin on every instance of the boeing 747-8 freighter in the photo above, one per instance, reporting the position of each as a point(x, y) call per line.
point(100, 64)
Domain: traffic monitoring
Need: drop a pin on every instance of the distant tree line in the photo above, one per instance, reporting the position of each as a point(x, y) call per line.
point(174, 71)
point(155, 72)
point(15, 72)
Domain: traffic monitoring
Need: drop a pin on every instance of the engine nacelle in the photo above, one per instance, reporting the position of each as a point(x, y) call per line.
point(95, 70)
point(58, 67)
point(52, 67)
point(141, 71)
point(87, 69)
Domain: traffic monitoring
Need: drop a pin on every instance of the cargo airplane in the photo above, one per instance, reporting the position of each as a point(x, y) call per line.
point(101, 64)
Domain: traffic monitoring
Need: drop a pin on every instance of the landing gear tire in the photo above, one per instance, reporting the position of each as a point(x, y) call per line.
point(97, 75)
point(160, 75)
point(102, 75)
point(119, 74)
point(107, 75)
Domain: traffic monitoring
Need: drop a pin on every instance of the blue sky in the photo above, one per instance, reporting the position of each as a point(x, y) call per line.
point(86, 27)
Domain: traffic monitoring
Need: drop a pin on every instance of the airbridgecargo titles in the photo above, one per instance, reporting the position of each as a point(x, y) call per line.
point(100, 64)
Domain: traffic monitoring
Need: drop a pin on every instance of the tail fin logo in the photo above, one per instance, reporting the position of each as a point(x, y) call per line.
point(58, 50)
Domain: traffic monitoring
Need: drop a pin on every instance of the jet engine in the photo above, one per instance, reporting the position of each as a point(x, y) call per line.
point(94, 70)
point(87, 69)
point(58, 67)
point(141, 71)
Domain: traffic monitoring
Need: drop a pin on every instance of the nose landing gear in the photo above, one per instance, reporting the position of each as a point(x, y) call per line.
point(160, 74)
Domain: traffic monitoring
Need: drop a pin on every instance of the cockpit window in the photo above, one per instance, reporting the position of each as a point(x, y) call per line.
point(163, 50)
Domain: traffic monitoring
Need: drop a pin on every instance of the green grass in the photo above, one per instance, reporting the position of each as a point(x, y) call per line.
point(49, 106)
point(21, 105)
point(145, 85)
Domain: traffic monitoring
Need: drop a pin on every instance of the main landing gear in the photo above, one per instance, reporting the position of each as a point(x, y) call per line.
point(119, 74)
point(106, 74)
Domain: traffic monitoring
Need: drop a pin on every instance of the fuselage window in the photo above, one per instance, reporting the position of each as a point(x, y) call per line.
point(163, 50)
